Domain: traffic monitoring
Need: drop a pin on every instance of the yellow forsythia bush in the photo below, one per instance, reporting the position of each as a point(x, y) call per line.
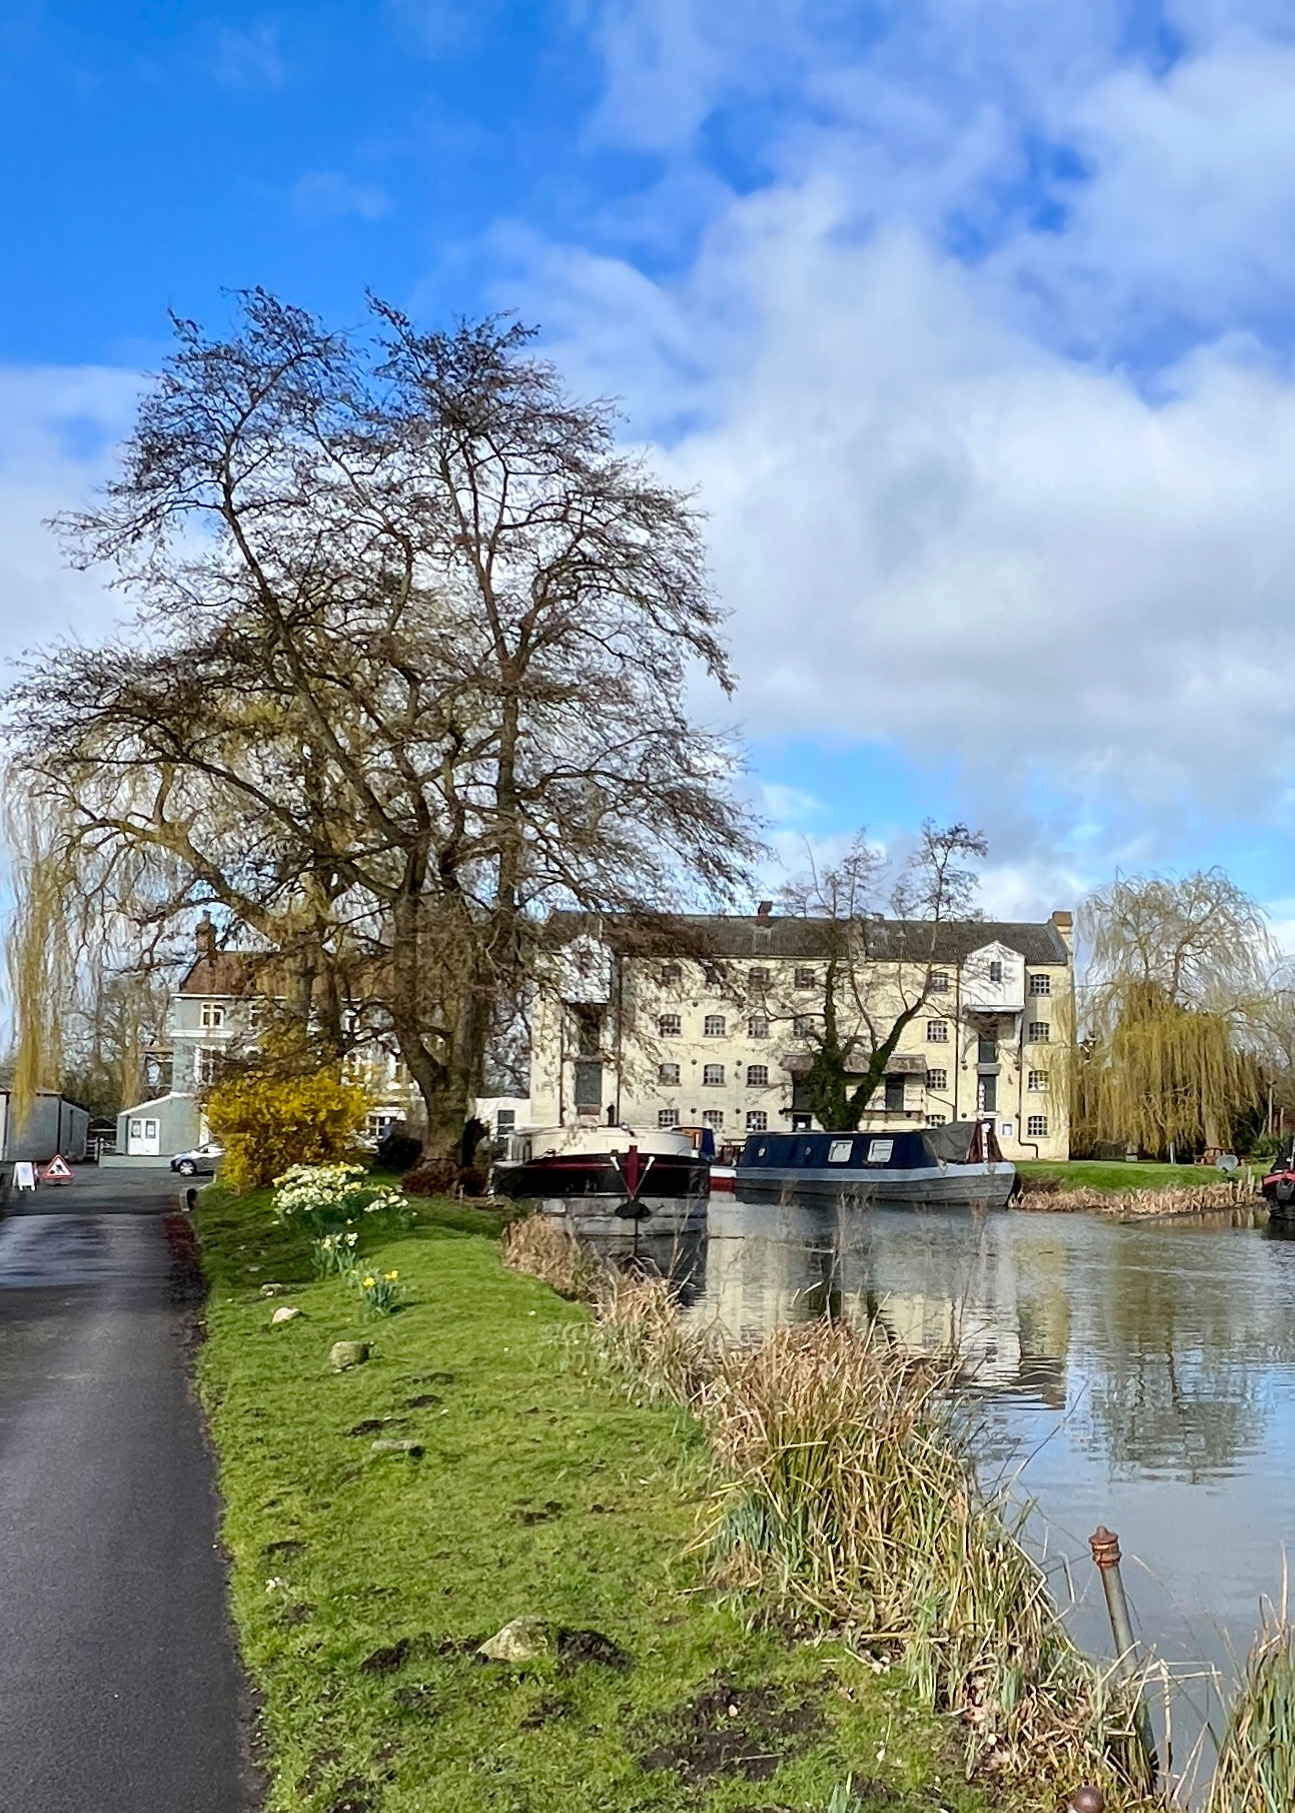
point(268, 1123)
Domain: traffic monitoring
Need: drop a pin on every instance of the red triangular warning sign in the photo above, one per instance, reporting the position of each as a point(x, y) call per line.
point(58, 1170)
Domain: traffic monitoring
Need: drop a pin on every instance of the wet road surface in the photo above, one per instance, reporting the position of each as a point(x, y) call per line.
point(119, 1686)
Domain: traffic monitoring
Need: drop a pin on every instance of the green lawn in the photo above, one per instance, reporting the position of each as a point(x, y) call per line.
point(362, 1582)
point(1103, 1174)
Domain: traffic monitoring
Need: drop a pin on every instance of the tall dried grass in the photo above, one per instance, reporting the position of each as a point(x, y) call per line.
point(1191, 1199)
point(1255, 1772)
point(544, 1247)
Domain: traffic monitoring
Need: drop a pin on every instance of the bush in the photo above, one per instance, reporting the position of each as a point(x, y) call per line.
point(444, 1177)
point(268, 1124)
point(399, 1151)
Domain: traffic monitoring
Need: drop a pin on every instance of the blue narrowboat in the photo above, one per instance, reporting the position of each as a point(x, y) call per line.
point(959, 1165)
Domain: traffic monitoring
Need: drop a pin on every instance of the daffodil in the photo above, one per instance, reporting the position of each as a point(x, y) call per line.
point(393, 1275)
point(368, 1284)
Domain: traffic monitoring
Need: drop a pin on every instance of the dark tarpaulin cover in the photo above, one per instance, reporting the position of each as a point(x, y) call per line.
point(952, 1143)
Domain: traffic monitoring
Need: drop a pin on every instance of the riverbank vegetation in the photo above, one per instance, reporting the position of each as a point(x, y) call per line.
point(484, 1466)
point(1135, 1189)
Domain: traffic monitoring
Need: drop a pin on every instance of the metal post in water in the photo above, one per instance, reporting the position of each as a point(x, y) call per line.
point(1105, 1545)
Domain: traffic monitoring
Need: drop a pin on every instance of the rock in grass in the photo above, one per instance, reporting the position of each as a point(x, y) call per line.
point(285, 1313)
point(392, 1446)
point(519, 1641)
point(342, 1355)
point(274, 1290)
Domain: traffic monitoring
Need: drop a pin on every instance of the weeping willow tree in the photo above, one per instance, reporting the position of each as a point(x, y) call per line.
point(88, 957)
point(1175, 986)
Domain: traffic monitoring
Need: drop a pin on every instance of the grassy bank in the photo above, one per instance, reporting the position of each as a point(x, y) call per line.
point(1114, 1176)
point(364, 1580)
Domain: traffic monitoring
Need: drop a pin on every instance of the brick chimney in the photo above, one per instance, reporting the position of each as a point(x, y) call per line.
point(205, 936)
point(764, 910)
point(1065, 924)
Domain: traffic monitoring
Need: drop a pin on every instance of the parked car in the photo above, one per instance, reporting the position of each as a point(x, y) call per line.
point(201, 1158)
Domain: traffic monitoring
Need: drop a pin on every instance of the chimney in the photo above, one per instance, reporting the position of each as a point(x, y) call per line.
point(764, 909)
point(205, 936)
point(1065, 924)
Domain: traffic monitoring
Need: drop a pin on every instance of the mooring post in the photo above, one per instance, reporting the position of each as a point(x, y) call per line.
point(1105, 1545)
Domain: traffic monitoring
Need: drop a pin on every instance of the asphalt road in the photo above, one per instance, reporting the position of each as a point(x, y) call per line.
point(120, 1691)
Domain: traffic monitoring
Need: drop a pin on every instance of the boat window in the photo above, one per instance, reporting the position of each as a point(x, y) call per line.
point(838, 1153)
point(879, 1151)
point(761, 1151)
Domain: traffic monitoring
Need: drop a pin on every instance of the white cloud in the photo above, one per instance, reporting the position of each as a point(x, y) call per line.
point(251, 57)
point(57, 430)
point(327, 195)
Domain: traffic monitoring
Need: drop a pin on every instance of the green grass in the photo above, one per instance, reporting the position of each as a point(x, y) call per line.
point(539, 1492)
point(1103, 1174)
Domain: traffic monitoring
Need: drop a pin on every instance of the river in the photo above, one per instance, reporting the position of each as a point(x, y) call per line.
point(1140, 1375)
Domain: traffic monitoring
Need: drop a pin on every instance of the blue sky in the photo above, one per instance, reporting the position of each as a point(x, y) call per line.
point(969, 320)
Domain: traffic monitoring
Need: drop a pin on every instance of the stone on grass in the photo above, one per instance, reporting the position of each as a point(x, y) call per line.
point(285, 1313)
point(342, 1355)
point(390, 1446)
point(519, 1641)
point(274, 1290)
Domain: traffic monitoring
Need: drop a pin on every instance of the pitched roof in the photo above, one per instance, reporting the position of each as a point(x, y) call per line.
point(735, 935)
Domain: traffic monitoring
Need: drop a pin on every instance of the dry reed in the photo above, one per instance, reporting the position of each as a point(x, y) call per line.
point(544, 1247)
point(1255, 1772)
point(1191, 1199)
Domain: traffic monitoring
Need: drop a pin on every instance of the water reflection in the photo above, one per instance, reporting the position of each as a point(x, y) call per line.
point(1140, 1375)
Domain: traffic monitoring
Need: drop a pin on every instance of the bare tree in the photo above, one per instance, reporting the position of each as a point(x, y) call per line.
point(409, 668)
point(880, 965)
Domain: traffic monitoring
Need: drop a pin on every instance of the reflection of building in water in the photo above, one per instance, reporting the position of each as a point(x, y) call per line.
point(935, 1279)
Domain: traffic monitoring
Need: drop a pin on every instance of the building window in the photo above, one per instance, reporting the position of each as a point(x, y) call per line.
point(894, 1086)
point(1036, 1126)
point(712, 1076)
point(938, 1080)
point(667, 1073)
point(714, 975)
point(669, 1026)
point(757, 1076)
point(757, 1027)
point(1040, 1032)
point(1040, 985)
point(713, 1026)
point(758, 978)
point(996, 971)
point(757, 1121)
point(208, 1064)
point(1037, 1082)
point(803, 1026)
point(671, 975)
point(804, 978)
point(939, 982)
point(935, 1120)
point(937, 1032)
point(667, 1117)
point(714, 1117)
point(212, 1014)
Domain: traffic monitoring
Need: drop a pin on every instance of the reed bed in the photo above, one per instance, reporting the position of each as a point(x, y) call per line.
point(1255, 1772)
point(1189, 1200)
point(844, 1493)
point(544, 1247)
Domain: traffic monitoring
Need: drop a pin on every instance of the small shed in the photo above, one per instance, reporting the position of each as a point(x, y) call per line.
point(157, 1129)
point(52, 1124)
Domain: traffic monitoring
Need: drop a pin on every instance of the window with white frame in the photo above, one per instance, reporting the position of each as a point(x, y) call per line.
point(671, 975)
point(714, 974)
point(714, 1117)
point(1040, 1032)
point(938, 1080)
point(1040, 985)
point(757, 1076)
point(213, 1014)
point(758, 978)
point(757, 1027)
point(712, 1076)
point(803, 977)
point(713, 1026)
point(207, 1068)
point(1036, 1126)
point(935, 1120)
point(996, 970)
point(667, 1117)
point(939, 982)
point(667, 1074)
point(803, 1026)
point(1037, 1082)
point(937, 1032)
point(669, 1026)
point(757, 1121)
